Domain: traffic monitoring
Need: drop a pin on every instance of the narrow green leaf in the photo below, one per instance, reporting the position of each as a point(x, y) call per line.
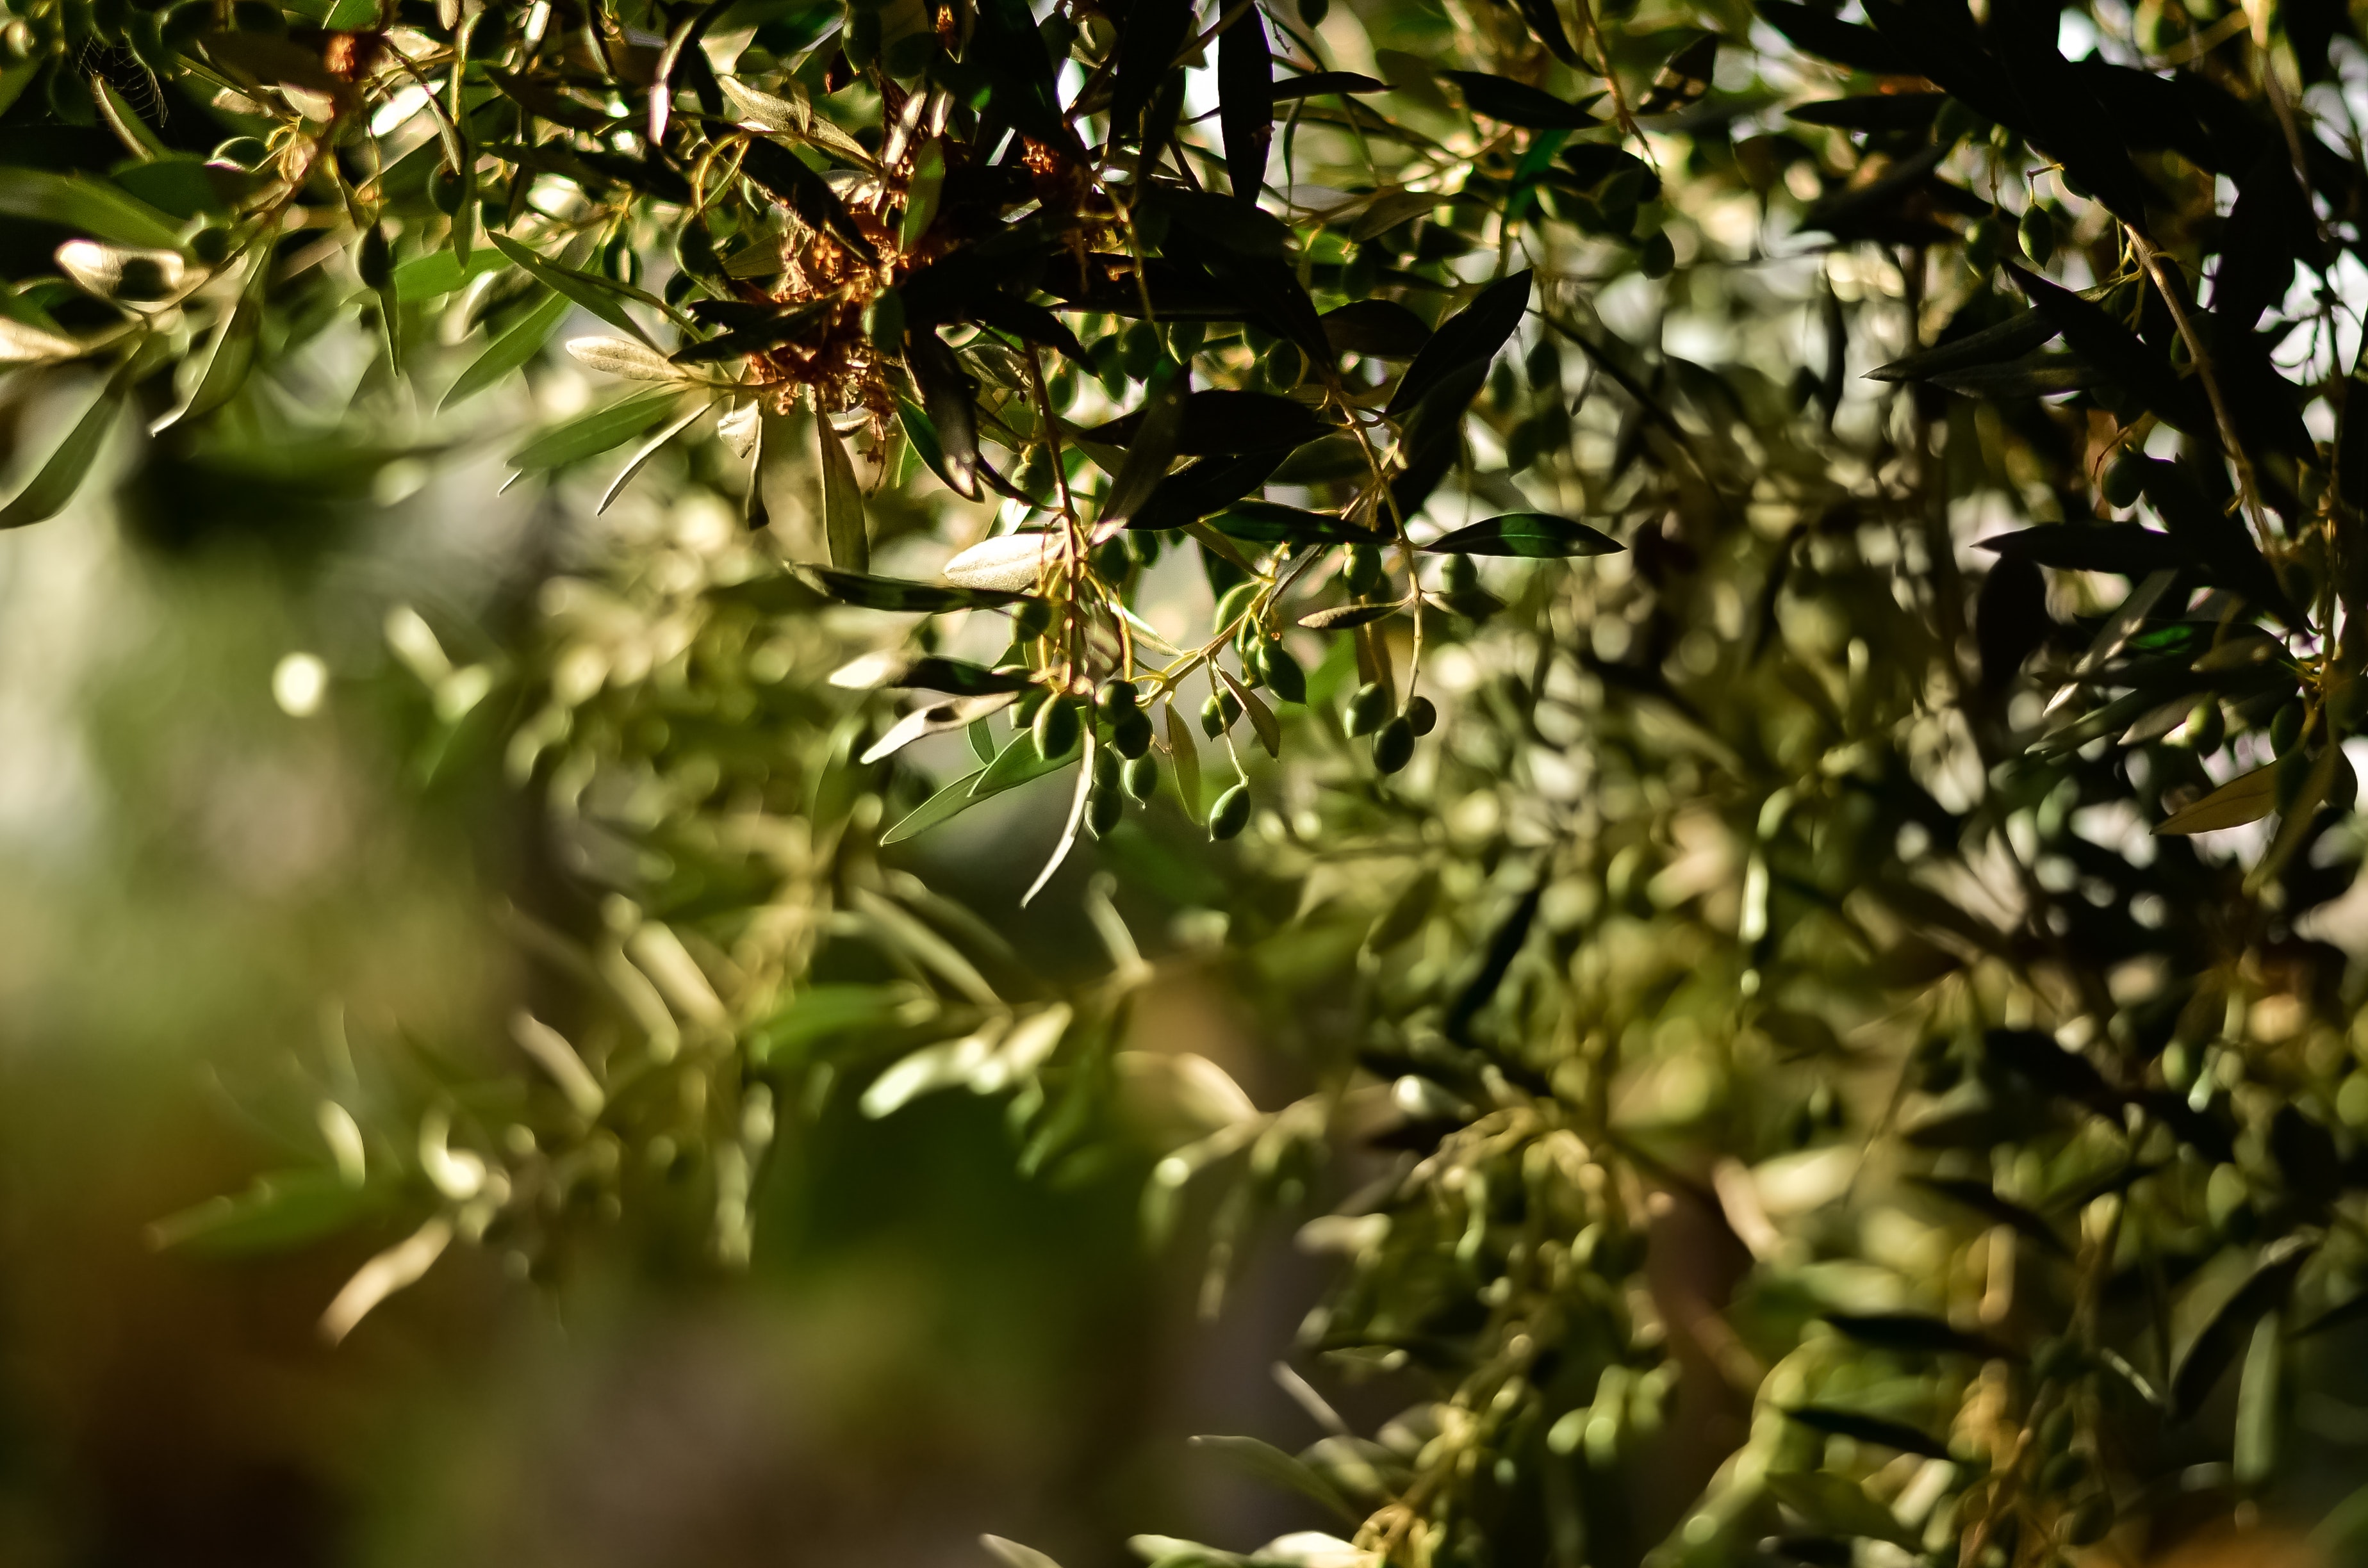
point(867, 592)
point(842, 501)
point(2254, 1456)
point(1860, 1428)
point(87, 206)
point(648, 450)
point(599, 295)
point(1262, 719)
point(510, 351)
point(1834, 1506)
point(590, 434)
point(1271, 1464)
point(1532, 535)
point(221, 371)
point(1184, 751)
point(2248, 797)
point(46, 494)
point(276, 1213)
point(442, 272)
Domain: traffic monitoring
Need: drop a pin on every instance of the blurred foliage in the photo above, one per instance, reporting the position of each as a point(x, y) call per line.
point(1728, 627)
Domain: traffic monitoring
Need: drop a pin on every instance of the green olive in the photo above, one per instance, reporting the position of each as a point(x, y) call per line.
point(1231, 813)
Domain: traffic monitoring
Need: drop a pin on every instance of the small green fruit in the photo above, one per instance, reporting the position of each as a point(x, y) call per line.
point(1141, 779)
point(1231, 813)
point(1282, 673)
point(1031, 619)
point(2038, 235)
point(2207, 727)
point(1214, 722)
point(2126, 479)
point(1118, 696)
point(1105, 770)
point(1056, 729)
point(1983, 244)
point(1394, 746)
point(1368, 709)
point(2090, 1522)
point(1103, 810)
point(884, 322)
point(1363, 572)
point(2285, 728)
point(1129, 733)
point(1422, 715)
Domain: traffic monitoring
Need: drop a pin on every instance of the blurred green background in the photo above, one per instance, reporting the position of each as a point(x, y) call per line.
point(204, 899)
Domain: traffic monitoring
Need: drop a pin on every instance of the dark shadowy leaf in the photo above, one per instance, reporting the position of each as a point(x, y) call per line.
point(1471, 337)
point(1382, 329)
point(1246, 102)
point(1860, 1428)
point(1518, 103)
point(1913, 1334)
point(783, 175)
point(1536, 535)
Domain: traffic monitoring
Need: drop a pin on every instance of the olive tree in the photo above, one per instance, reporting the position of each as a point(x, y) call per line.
point(1733, 623)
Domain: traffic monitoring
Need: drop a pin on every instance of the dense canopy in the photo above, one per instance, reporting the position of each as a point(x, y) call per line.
point(1731, 624)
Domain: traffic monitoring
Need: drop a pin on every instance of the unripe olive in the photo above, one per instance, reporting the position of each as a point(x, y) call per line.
point(2055, 1432)
point(2347, 704)
point(1235, 603)
point(2054, 1358)
point(622, 261)
point(1213, 720)
point(1313, 12)
point(1130, 733)
point(883, 321)
point(1056, 729)
point(1368, 709)
point(1023, 712)
point(862, 39)
point(1031, 619)
point(2285, 728)
point(2089, 1523)
point(1363, 571)
point(210, 245)
point(1231, 813)
point(374, 260)
point(2126, 479)
point(1103, 810)
point(1282, 673)
point(1657, 257)
point(1982, 245)
point(2038, 235)
point(1105, 770)
point(1118, 696)
point(2292, 770)
point(1394, 746)
point(1141, 779)
point(2207, 727)
point(1139, 350)
point(1422, 716)
point(2064, 1472)
point(1954, 124)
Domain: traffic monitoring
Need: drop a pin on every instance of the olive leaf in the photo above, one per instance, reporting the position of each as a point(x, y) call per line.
point(1535, 535)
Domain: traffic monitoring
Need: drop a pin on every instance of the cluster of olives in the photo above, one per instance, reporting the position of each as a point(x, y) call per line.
point(1123, 766)
point(1991, 240)
point(2064, 1474)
